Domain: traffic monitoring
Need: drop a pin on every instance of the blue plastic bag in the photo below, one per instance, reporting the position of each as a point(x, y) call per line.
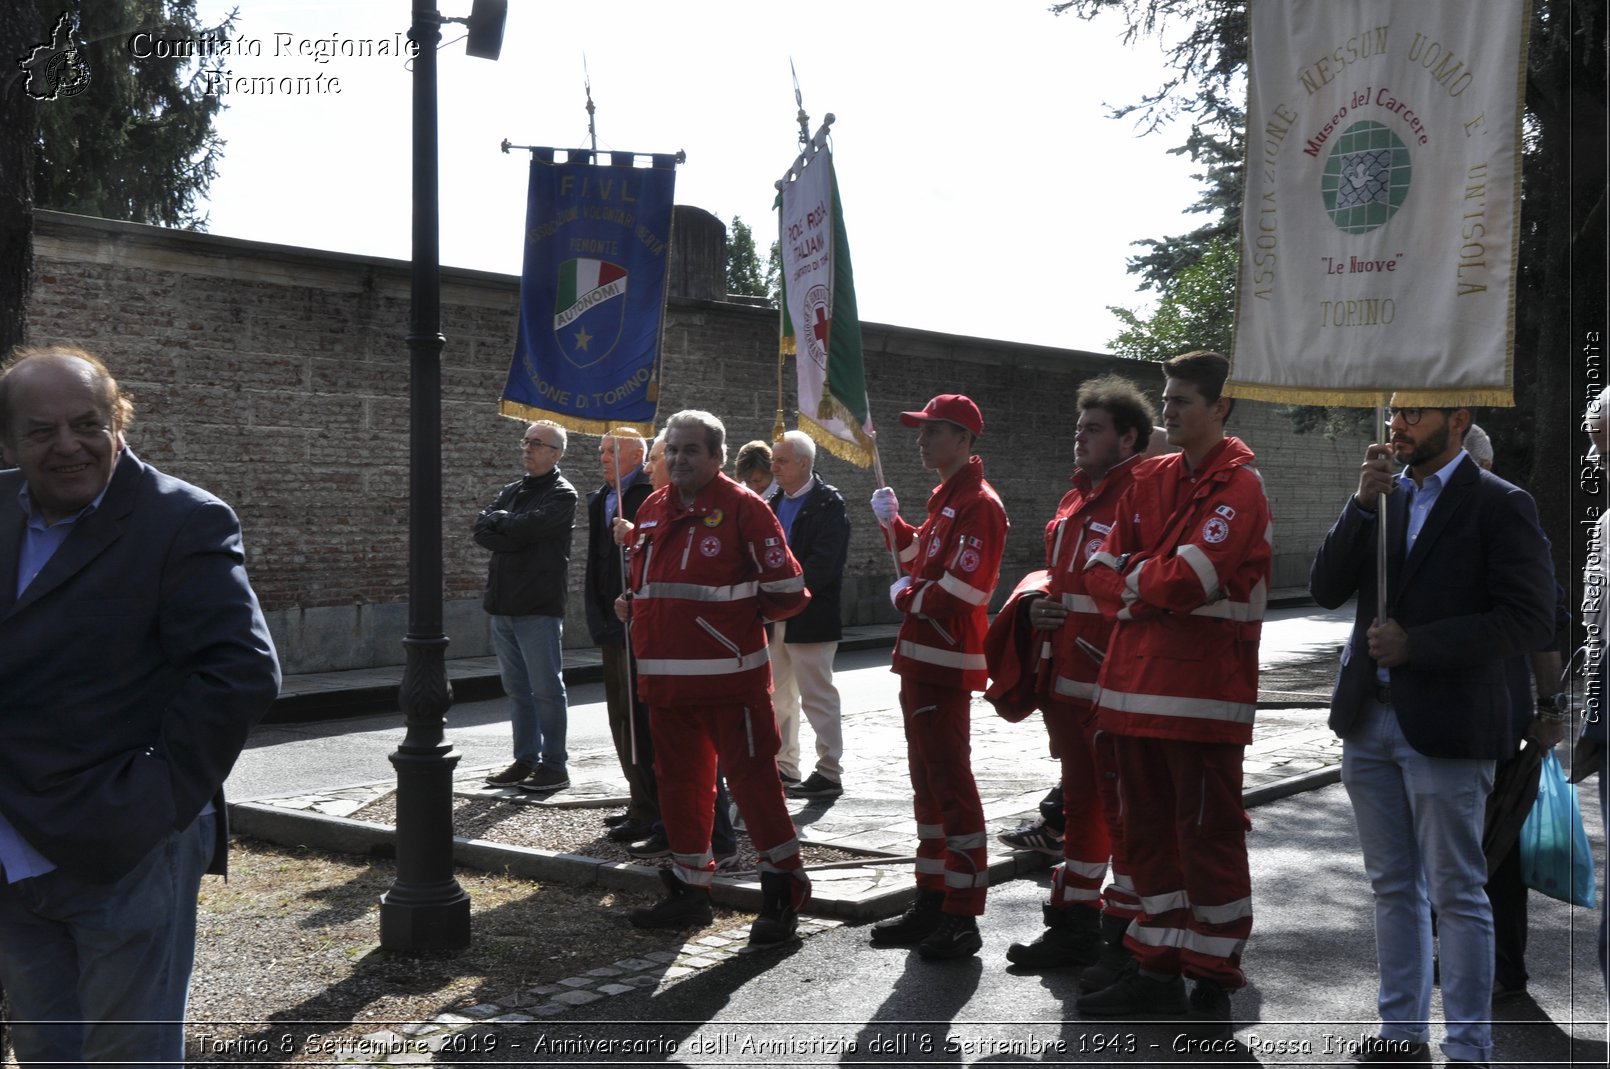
point(1555, 857)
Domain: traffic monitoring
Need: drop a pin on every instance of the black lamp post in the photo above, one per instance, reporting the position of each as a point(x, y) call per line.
point(425, 908)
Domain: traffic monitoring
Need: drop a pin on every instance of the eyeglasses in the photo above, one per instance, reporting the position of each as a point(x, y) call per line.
point(533, 443)
point(1410, 416)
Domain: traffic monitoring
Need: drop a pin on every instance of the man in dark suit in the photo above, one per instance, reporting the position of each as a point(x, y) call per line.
point(133, 661)
point(1423, 708)
point(626, 484)
point(818, 529)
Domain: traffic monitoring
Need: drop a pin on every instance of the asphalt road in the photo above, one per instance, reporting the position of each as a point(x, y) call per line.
point(1310, 962)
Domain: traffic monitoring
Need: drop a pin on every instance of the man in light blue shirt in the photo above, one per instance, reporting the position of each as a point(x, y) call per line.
point(134, 660)
point(1423, 708)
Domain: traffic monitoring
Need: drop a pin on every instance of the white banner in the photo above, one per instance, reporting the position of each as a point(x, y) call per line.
point(1379, 230)
point(807, 247)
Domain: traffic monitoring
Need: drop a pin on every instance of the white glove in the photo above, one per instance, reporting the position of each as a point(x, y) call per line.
point(896, 587)
point(885, 505)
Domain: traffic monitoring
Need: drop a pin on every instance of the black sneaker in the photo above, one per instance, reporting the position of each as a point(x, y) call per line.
point(652, 847)
point(629, 832)
point(917, 923)
point(1136, 993)
point(1037, 836)
point(956, 937)
point(615, 820)
point(1209, 1010)
point(682, 907)
point(511, 775)
point(1071, 937)
point(544, 779)
point(1378, 1051)
point(817, 786)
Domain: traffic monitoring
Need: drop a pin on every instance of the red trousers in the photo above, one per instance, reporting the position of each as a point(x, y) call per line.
point(951, 856)
point(687, 741)
point(1092, 830)
point(1185, 833)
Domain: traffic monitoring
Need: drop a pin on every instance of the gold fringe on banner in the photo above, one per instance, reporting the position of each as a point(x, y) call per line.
point(598, 427)
point(1491, 396)
point(858, 452)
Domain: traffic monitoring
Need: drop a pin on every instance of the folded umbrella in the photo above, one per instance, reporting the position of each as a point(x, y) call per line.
point(1514, 794)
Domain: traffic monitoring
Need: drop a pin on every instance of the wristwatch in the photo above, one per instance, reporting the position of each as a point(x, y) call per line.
point(1551, 707)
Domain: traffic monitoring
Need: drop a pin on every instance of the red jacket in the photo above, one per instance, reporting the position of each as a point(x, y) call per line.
point(954, 559)
point(1186, 574)
point(1078, 531)
point(704, 581)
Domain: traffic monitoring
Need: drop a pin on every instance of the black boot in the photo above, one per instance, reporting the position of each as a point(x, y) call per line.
point(683, 906)
point(956, 937)
point(782, 895)
point(914, 925)
point(1112, 956)
point(1071, 937)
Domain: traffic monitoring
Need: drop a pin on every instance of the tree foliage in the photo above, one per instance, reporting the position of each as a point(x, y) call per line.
point(1190, 314)
point(745, 276)
point(19, 118)
point(1208, 55)
point(138, 143)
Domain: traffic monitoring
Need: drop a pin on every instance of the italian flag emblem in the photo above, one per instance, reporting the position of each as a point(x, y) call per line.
point(585, 284)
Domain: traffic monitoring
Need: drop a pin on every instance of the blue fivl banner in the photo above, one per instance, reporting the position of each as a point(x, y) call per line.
point(592, 292)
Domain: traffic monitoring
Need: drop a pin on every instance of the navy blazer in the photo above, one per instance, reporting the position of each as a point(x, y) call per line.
point(820, 541)
point(131, 670)
point(1477, 589)
point(602, 583)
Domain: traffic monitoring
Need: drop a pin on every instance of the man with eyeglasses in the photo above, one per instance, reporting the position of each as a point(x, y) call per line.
point(527, 528)
point(1422, 705)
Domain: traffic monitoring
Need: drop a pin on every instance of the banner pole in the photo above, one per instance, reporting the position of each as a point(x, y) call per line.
point(877, 475)
point(620, 550)
point(1381, 529)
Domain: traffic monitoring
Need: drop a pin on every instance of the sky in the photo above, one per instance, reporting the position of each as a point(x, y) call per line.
point(985, 189)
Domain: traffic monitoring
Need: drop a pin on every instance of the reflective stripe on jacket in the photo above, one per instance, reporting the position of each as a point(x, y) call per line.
point(1183, 659)
point(1080, 530)
point(954, 560)
point(705, 579)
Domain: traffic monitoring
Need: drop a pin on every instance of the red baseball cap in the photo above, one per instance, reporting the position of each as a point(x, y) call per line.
point(955, 408)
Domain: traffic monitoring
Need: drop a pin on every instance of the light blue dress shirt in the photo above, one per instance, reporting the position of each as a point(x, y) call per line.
point(1422, 499)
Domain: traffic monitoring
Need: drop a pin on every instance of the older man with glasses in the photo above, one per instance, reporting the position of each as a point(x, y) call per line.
point(527, 528)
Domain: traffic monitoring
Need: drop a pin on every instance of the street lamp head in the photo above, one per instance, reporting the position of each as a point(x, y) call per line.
point(486, 28)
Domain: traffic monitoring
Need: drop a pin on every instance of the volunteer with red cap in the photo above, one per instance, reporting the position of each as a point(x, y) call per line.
point(953, 559)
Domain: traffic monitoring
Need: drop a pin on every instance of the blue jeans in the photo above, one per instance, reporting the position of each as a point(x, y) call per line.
point(100, 957)
point(531, 660)
point(1420, 822)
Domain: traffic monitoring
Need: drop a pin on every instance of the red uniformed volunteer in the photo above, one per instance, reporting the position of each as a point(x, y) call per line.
point(1186, 573)
point(954, 559)
point(709, 566)
point(1083, 925)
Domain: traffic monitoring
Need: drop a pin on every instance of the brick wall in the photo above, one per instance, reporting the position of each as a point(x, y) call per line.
point(277, 378)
